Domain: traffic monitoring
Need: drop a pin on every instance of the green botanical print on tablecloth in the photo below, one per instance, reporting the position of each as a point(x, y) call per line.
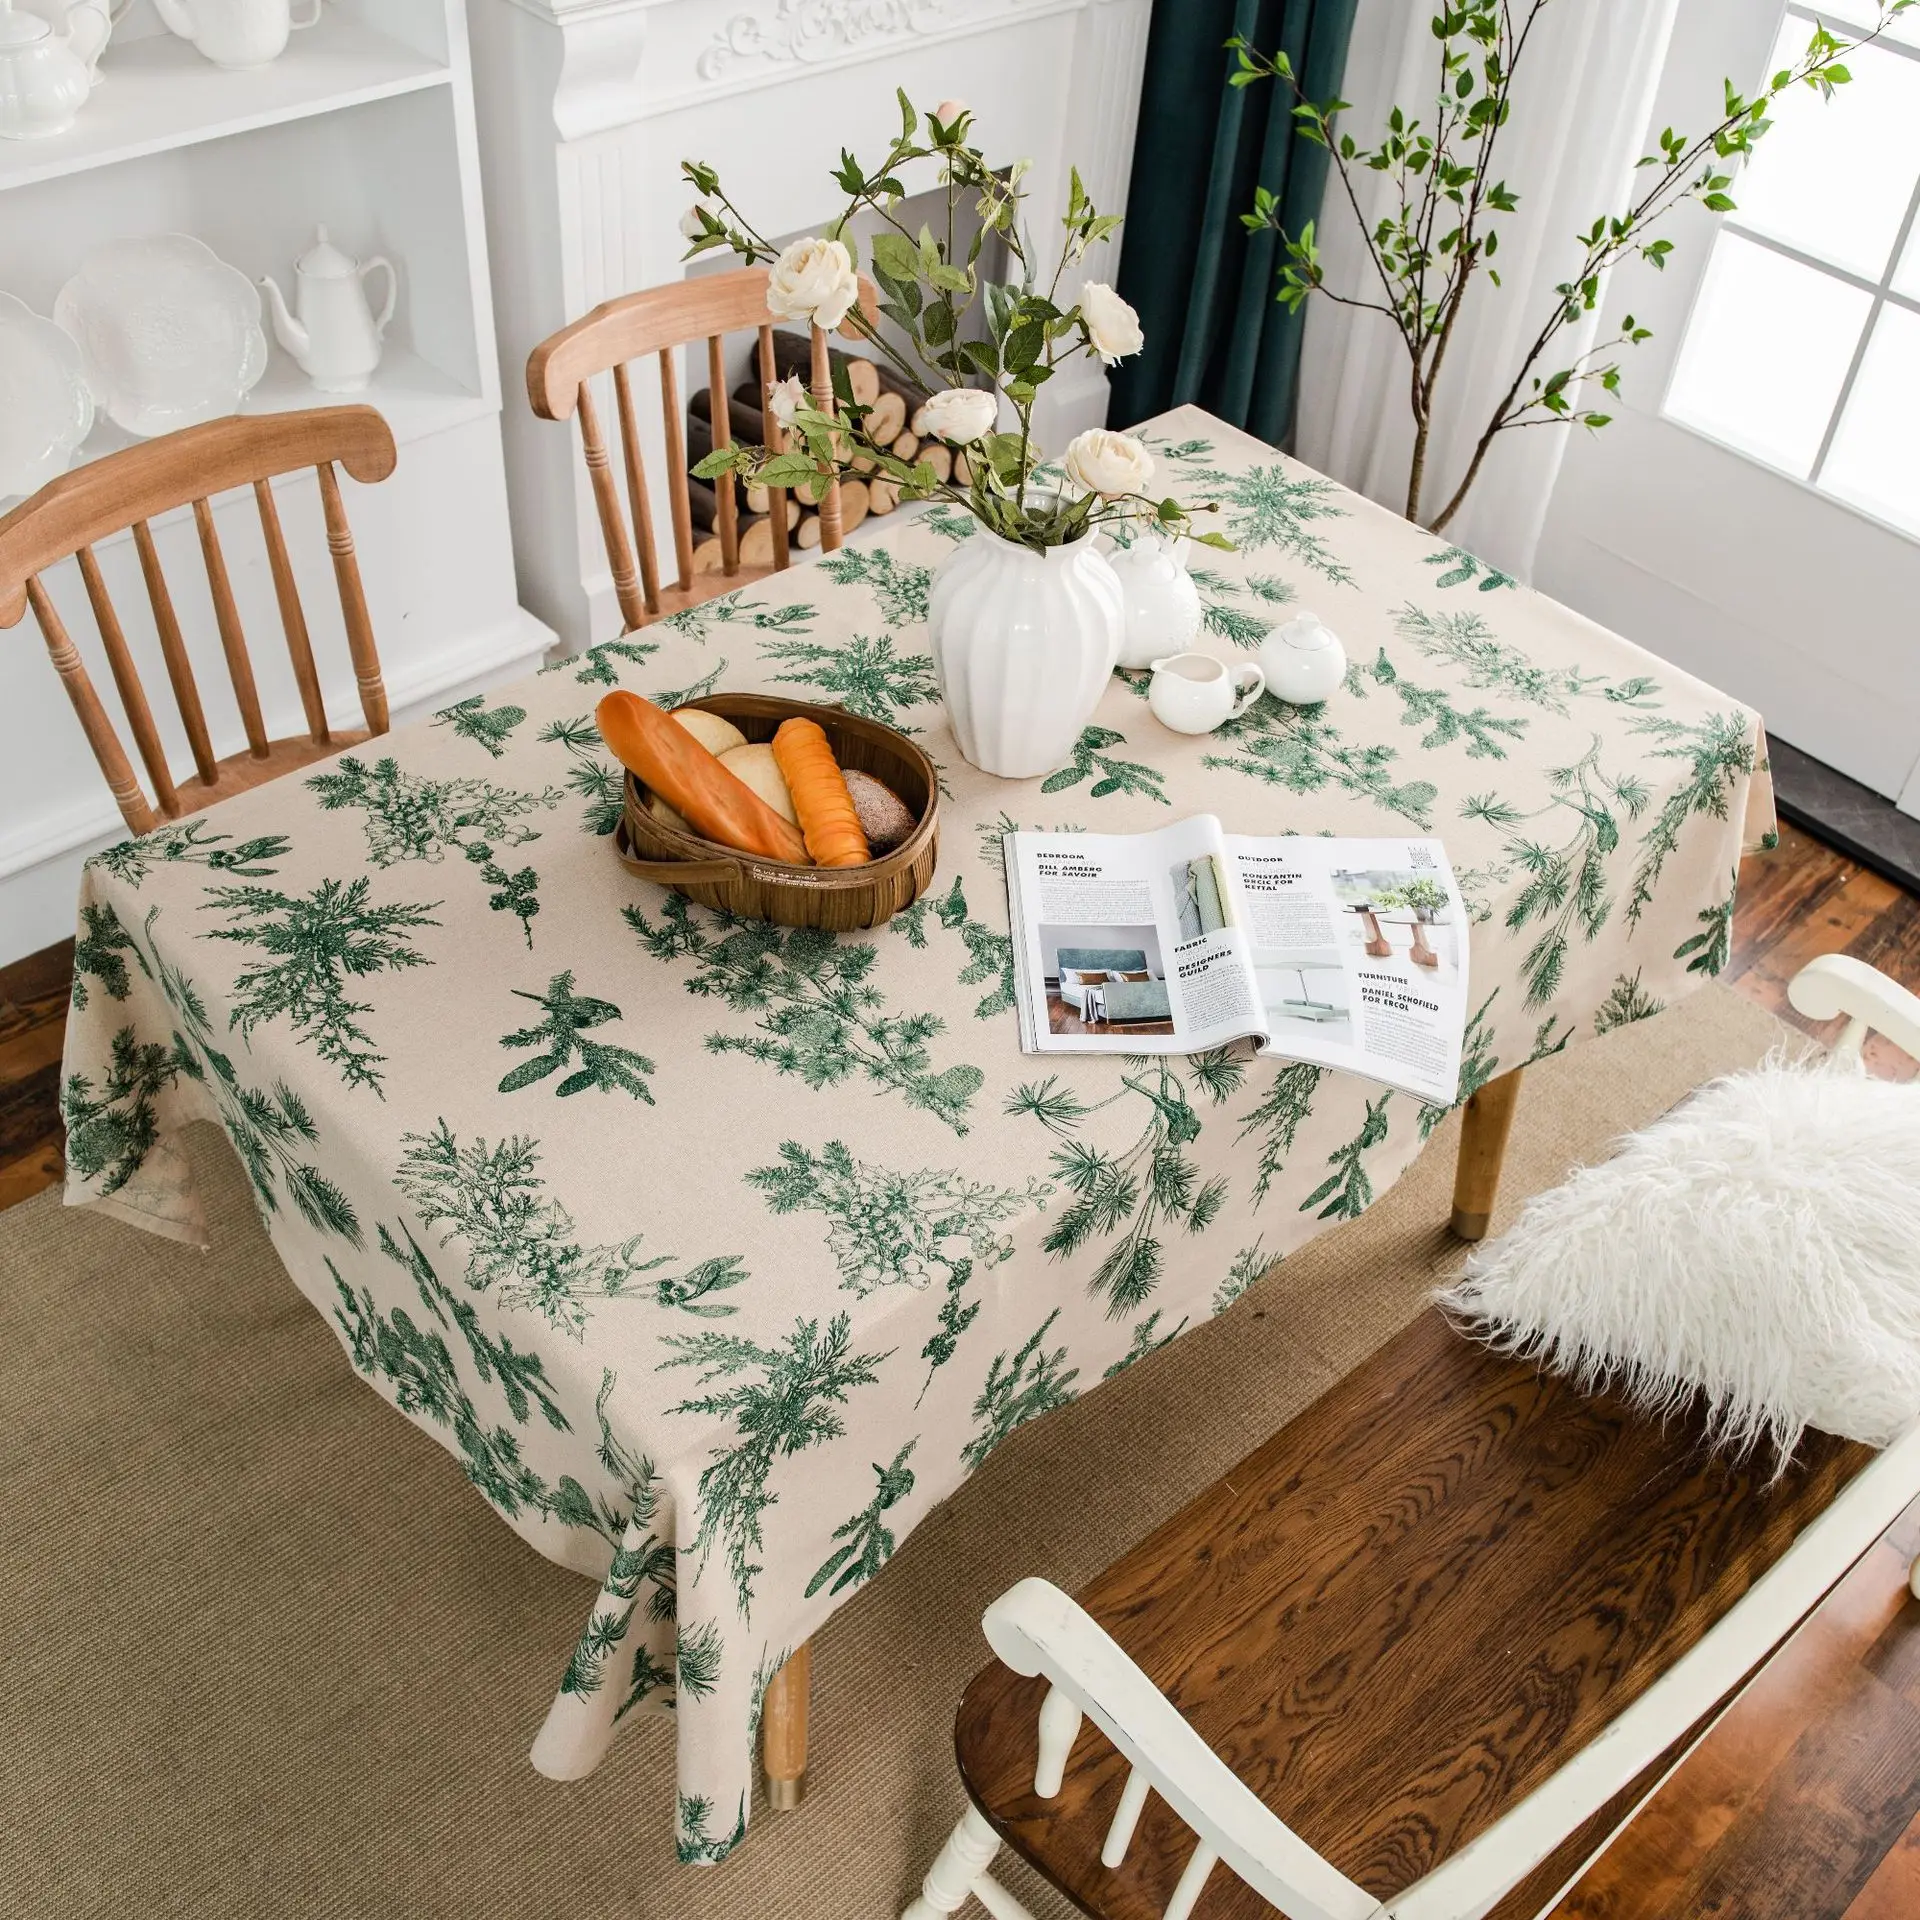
point(1109, 775)
point(1466, 641)
point(869, 1540)
point(1132, 1192)
point(1462, 566)
point(1348, 1191)
point(97, 951)
point(862, 674)
point(1241, 626)
point(1485, 733)
point(1300, 749)
point(1478, 1061)
point(597, 666)
point(889, 1229)
point(524, 1246)
point(1147, 1338)
point(903, 593)
point(780, 1401)
point(472, 720)
point(700, 622)
point(950, 523)
point(820, 1017)
point(991, 951)
point(112, 1127)
point(1719, 753)
point(1709, 952)
point(596, 779)
point(1019, 1387)
point(315, 944)
point(671, 697)
point(1627, 1002)
point(694, 1846)
point(192, 843)
point(765, 1670)
point(1248, 1265)
point(1276, 1119)
point(1267, 507)
point(411, 817)
point(560, 1036)
point(697, 1658)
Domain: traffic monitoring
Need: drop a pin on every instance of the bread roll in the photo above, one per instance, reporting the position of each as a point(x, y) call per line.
point(885, 818)
point(713, 733)
point(754, 766)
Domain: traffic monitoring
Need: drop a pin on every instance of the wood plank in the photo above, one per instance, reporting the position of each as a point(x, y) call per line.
point(1893, 1893)
point(32, 1172)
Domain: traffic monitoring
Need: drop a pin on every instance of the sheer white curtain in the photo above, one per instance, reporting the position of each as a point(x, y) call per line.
point(1579, 122)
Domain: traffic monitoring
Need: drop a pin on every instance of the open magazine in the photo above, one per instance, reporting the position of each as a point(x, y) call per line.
point(1345, 953)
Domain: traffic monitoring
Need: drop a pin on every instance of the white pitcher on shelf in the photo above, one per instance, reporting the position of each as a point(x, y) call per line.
point(46, 72)
point(88, 33)
point(334, 334)
point(236, 33)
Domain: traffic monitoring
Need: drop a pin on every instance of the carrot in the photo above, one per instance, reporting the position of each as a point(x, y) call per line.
point(650, 743)
point(820, 796)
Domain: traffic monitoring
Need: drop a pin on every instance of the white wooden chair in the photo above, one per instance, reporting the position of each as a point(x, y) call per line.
point(1456, 1621)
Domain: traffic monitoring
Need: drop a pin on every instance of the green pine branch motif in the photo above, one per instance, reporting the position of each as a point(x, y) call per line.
point(780, 1401)
point(1249, 1264)
point(597, 780)
point(703, 621)
point(1131, 1194)
point(957, 1314)
point(315, 944)
point(1277, 1120)
point(1019, 1387)
point(671, 697)
point(696, 1659)
point(472, 720)
point(1300, 749)
point(1462, 566)
point(1147, 1338)
point(950, 523)
point(1709, 951)
point(412, 817)
point(865, 675)
point(903, 593)
point(693, 1845)
point(819, 1017)
point(991, 951)
point(561, 1038)
point(1266, 507)
point(1432, 708)
point(598, 667)
point(1626, 1002)
point(525, 1247)
point(97, 951)
point(1478, 1061)
point(868, 1539)
point(1464, 640)
point(112, 1128)
point(1109, 775)
point(192, 843)
point(1239, 626)
point(1719, 752)
point(1348, 1191)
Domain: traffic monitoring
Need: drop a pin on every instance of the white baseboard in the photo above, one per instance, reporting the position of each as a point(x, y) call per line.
point(42, 854)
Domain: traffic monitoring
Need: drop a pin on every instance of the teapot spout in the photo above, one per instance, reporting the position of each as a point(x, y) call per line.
point(290, 333)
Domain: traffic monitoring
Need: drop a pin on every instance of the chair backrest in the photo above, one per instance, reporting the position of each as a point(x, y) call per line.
point(660, 321)
point(70, 515)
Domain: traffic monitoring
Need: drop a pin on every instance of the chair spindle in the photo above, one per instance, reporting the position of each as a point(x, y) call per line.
point(293, 618)
point(830, 529)
point(639, 501)
point(1126, 1817)
point(1186, 1895)
point(776, 443)
point(626, 583)
point(126, 680)
point(1059, 1727)
point(353, 603)
point(134, 810)
point(677, 497)
point(233, 639)
point(720, 406)
point(173, 649)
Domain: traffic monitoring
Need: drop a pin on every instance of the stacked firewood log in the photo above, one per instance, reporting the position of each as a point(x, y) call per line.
point(897, 421)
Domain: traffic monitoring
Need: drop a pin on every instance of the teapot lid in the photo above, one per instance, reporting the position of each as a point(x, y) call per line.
point(324, 261)
point(21, 29)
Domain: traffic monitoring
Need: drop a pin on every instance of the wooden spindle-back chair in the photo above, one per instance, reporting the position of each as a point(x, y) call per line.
point(660, 321)
point(69, 516)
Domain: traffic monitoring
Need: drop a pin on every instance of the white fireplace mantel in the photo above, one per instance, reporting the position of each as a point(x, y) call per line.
point(589, 106)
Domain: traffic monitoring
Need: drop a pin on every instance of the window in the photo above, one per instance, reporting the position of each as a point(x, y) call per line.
point(1803, 348)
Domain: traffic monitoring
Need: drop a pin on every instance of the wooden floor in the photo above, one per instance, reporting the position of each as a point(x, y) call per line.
point(1804, 1803)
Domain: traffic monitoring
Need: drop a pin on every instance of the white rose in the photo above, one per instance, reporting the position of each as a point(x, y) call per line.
point(691, 225)
point(961, 414)
point(813, 280)
point(1110, 463)
point(785, 398)
point(1112, 325)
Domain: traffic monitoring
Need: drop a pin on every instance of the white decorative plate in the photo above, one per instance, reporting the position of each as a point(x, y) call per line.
point(169, 332)
point(45, 407)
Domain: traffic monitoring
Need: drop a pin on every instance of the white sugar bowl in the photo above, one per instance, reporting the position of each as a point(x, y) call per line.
point(1304, 661)
point(46, 72)
point(1163, 604)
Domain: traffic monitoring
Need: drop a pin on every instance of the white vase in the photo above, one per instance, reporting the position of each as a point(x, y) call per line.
point(1163, 604)
point(1024, 644)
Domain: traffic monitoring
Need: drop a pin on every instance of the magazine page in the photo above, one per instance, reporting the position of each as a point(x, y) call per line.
point(1129, 943)
point(1359, 953)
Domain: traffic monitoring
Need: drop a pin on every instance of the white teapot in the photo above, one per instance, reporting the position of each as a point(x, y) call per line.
point(235, 33)
point(46, 72)
point(335, 335)
point(1163, 604)
point(1304, 661)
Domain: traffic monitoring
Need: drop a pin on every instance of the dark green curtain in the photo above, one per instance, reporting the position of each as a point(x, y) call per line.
point(1202, 284)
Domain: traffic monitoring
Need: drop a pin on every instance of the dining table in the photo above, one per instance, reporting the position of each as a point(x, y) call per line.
point(719, 1253)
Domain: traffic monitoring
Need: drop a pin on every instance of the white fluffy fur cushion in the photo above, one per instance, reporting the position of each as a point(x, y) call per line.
point(1759, 1245)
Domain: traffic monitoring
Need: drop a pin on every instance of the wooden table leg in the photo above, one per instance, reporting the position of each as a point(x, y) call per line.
point(1483, 1147)
point(783, 1730)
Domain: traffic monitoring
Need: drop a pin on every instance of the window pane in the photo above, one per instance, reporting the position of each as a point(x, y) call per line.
point(1860, 15)
point(1834, 177)
point(1871, 462)
point(1907, 279)
point(1766, 351)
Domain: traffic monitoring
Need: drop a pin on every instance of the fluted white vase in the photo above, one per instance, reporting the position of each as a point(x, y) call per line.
point(1024, 644)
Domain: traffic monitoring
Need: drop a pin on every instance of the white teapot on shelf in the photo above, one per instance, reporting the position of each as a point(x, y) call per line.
point(46, 72)
point(235, 33)
point(333, 333)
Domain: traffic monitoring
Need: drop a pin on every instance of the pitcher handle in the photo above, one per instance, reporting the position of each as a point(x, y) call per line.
point(89, 43)
point(380, 263)
point(1253, 680)
point(314, 21)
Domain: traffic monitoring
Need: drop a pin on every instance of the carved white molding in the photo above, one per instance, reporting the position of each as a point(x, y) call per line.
point(809, 31)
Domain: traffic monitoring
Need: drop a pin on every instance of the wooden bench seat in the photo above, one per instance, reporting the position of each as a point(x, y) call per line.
point(1400, 1616)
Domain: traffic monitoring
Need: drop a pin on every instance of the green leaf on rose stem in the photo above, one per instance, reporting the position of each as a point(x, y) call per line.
point(720, 460)
point(983, 355)
point(787, 470)
point(702, 176)
point(1024, 345)
point(842, 383)
point(909, 120)
point(951, 279)
point(1219, 540)
point(896, 257)
point(937, 324)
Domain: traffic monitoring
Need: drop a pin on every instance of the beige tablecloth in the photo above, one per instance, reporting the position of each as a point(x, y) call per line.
point(719, 1254)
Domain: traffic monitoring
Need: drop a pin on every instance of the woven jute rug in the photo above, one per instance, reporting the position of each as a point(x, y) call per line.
point(264, 1653)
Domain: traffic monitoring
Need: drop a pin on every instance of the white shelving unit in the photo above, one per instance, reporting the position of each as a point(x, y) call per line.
point(366, 125)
